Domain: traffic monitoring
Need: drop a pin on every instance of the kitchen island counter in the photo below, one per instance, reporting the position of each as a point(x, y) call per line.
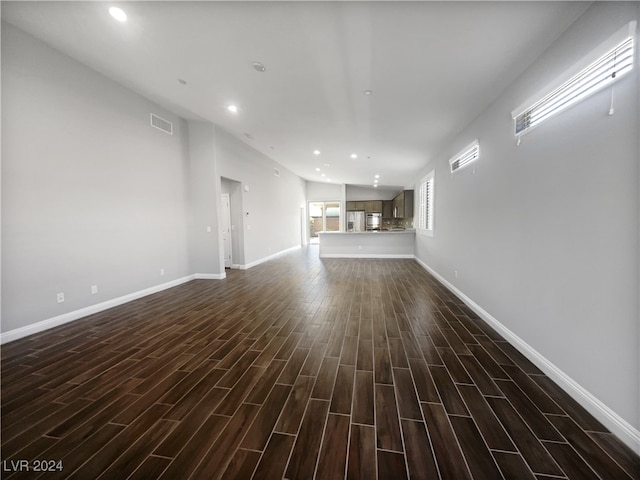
point(376, 244)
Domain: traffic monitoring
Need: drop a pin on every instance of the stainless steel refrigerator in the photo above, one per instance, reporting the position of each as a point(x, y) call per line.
point(355, 221)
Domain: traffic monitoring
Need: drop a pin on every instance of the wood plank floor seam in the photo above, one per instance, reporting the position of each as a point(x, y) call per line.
point(296, 368)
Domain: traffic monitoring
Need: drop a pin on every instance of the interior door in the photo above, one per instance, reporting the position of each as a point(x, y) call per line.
point(226, 229)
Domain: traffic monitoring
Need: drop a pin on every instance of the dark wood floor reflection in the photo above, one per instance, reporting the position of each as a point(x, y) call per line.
point(296, 368)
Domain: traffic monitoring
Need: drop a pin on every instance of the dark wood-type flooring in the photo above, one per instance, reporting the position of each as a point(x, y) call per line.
point(296, 368)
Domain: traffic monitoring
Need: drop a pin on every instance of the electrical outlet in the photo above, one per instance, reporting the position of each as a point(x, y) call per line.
point(208, 229)
point(455, 273)
point(60, 297)
point(94, 289)
point(162, 272)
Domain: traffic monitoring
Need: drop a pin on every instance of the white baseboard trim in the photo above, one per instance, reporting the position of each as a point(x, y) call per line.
point(367, 255)
point(610, 419)
point(266, 259)
point(58, 320)
point(210, 276)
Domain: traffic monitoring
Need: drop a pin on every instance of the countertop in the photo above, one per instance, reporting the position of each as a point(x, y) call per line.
point(375, 232)
point(376, 244)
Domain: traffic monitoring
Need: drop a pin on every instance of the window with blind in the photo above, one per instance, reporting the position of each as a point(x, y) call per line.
point(425, 211)
point(468, 154)
point(603, 72)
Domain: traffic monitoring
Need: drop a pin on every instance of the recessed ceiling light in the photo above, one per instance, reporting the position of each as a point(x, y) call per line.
point(232, 108)
point(327, 164)
point(258, 66)
point(118, 14)
point(328, 179)
point(354, 155)
point(323, 175)
point(376, 176)
point(368, 92)
point(317, 169)
point(375, 181)
point(316, 152)
point(375, 185)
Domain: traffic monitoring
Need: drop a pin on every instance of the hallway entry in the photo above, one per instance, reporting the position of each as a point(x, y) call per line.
point(232, 223)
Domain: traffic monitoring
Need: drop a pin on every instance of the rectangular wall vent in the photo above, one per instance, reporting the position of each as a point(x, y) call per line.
point(161, 124)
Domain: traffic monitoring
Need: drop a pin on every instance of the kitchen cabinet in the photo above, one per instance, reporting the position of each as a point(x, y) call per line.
point(369, 206)
point(353, 206)
point(374, 206)
point(403, 204)
point(398, 206)
point(387, 209)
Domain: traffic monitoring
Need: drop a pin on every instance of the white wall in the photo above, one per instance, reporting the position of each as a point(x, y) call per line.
point(355, 192)
point(272, 221)
point(323, 192)
point(91, 193)
point(205, 243)
point(545, 236)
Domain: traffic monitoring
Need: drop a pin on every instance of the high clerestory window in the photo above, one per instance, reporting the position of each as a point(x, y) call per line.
point(467, 155)
point(603, 72)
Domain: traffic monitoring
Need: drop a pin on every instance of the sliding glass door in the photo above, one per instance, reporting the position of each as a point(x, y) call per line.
point(323, 217)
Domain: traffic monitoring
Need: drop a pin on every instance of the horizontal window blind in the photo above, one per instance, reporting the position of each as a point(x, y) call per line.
point(422, 211)
point(429, 205)
point(601, 73)
point(465, 157)
point(425, 212)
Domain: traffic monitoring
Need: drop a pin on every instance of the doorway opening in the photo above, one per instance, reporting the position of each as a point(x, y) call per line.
point(233, 231)
point(226, 230)
point(323, 217)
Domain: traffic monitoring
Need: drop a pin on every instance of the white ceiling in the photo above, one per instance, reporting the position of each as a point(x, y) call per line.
point(432, 67)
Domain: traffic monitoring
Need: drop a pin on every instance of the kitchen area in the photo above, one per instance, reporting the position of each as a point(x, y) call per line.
point(381, 227)
point(381, 215)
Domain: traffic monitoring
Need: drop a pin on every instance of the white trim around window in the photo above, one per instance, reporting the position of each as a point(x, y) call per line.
point(602, 67)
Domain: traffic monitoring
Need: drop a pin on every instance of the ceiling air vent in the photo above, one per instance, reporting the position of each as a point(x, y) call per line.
point(161, 124)
point(276, 172)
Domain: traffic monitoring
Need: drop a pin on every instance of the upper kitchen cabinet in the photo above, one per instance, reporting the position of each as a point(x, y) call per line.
point(369, 206)
point(403, 204)
point(387, 209)
point(374, 206)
